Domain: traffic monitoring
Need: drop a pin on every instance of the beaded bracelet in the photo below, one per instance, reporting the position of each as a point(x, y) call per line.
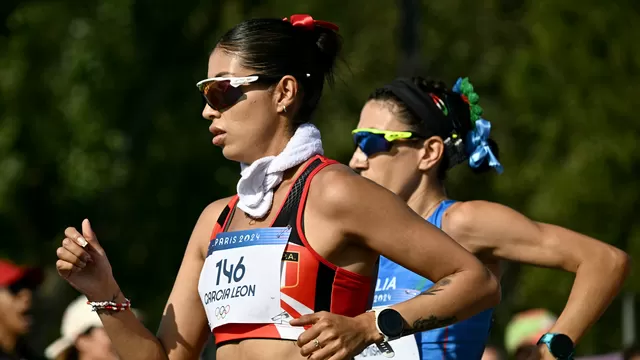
point(109, 305)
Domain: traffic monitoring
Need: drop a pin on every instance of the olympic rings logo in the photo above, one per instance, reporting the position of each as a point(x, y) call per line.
point(222, 311)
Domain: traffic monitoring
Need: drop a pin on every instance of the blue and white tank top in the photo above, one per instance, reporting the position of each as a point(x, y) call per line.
point(461, 341)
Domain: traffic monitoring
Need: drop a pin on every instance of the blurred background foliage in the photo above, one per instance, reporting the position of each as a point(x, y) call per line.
point(100, 118)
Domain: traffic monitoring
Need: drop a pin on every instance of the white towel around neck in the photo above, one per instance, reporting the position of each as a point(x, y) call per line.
point(258, 180)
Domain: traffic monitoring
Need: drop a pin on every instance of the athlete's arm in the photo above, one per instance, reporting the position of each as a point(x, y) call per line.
point(375, 218)
point(490, 228)
point(183, 329)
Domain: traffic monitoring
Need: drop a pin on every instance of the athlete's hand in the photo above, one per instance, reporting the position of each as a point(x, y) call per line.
point(83, 263)
point(335, 337)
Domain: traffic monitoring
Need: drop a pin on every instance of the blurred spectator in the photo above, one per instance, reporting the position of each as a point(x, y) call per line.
point(16, 291)
point(524, 330)
point(492, 353)
point(83, 337)
point(631, 353)
point(527, 352)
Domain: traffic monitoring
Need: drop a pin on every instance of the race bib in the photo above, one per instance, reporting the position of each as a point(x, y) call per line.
point(404, 348)
point(240, 279)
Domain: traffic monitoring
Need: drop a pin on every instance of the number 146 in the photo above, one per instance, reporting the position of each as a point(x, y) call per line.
point(235, 272)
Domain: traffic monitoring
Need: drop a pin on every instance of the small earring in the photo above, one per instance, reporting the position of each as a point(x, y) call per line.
point(284, 108)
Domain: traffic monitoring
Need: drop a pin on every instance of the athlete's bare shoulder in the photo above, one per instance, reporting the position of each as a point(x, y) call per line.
point(204, 227)
point(464, 217)
point(332, 170)
point(475, 224)
point(337, 183)
point(338, 189)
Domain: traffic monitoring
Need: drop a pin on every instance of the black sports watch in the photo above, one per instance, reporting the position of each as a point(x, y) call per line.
point(390, 325)
point(559, 345)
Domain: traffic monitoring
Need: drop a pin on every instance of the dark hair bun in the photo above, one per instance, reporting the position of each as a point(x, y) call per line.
point(322, 47)
point(329, 46)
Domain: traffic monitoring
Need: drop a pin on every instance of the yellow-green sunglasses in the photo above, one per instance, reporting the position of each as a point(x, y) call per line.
point(373, 141)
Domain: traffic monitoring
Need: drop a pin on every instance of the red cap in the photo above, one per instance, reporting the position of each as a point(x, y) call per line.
point(11, 273)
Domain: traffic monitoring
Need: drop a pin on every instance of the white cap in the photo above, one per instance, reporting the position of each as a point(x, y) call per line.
point(76, 320)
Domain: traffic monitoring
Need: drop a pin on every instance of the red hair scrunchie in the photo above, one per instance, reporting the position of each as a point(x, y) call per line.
point(306, 22)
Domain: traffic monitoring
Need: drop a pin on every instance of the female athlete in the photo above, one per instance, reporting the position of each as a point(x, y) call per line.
point(411, 131)
point(283, 270)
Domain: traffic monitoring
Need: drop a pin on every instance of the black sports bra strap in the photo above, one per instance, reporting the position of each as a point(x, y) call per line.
point(229, 217)
point(223, 216)
point(226, 214)
point(289, 210)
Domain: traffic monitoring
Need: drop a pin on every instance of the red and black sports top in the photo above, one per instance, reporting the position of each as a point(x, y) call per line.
point(309, 283)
